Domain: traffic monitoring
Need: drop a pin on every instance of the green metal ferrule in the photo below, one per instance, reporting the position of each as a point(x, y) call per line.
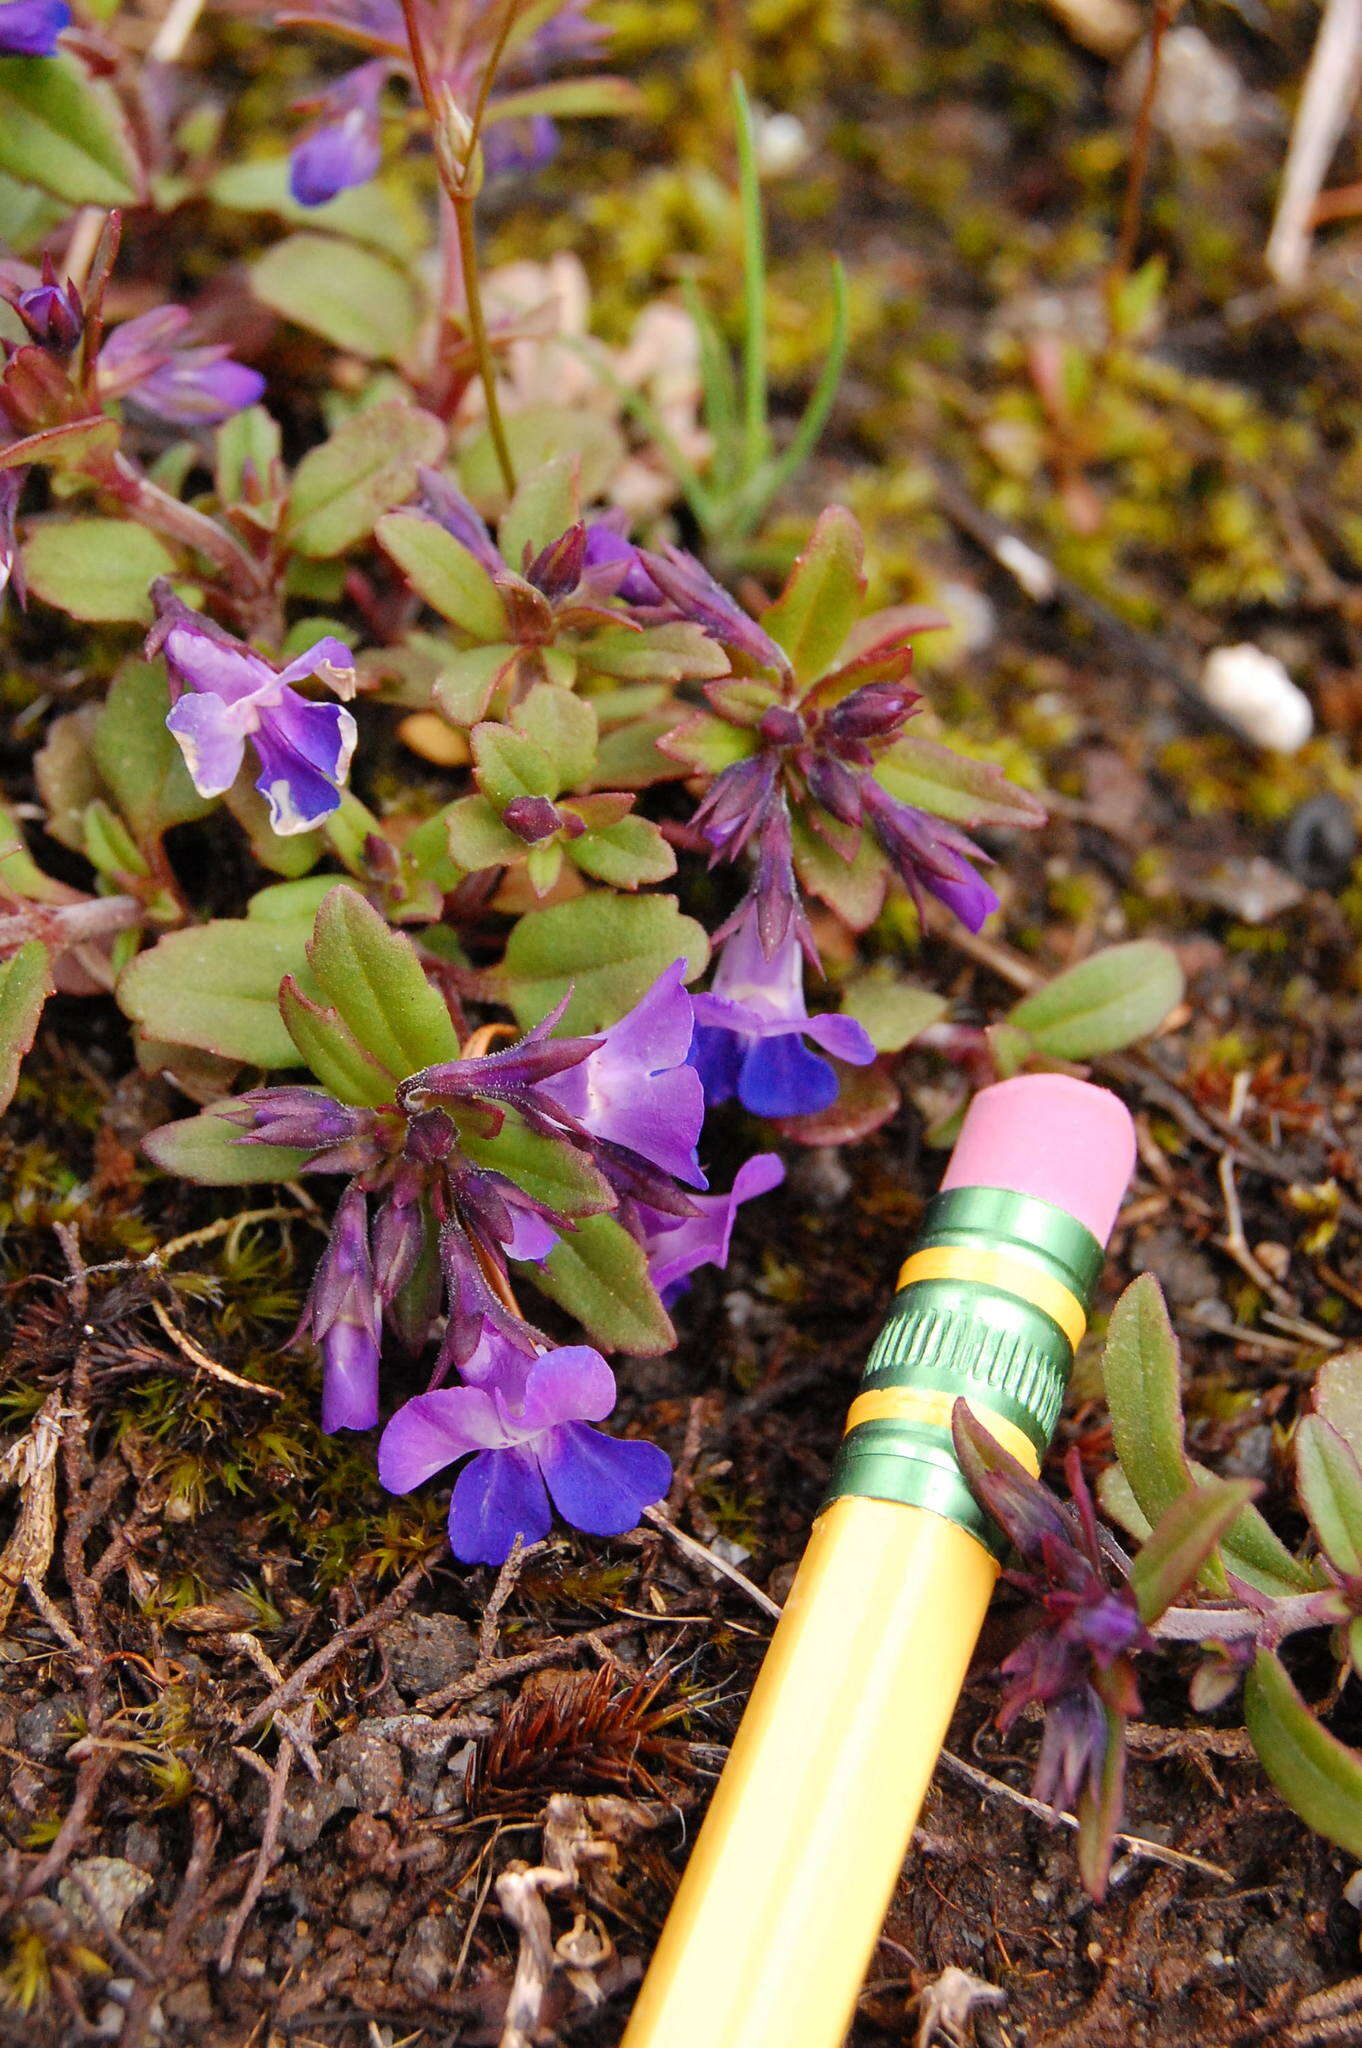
point(978, 1338)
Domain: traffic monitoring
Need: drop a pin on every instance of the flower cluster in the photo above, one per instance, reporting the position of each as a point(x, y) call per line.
point(460, 1174)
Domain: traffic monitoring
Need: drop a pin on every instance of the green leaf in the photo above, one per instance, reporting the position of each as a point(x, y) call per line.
point(373, 976)
point(508, 765)
point(217, 987)
point(139, 760)
point(465, 684)
point(855, 889)
point(554, 1173)
point(948, 785)
point(25, 985)
point(1183, 1542)
point(680, 652)
point(598, 1273)
point(110, 847)
point(351, 296)
point(1099, 1814)
point(477, 838)
point(98, 570)
point(1104, 1003)
point(893, 1011)
point(247, 447)
point(1142, 1377)
point(709, 744)
point(545, 505)
point(291, 902)
point(331, 1049)
point(365, 213)
point(1338, 1396)
point(62, 130)
point(208, 1149)
point(1316, 1774)
point(83, 446)
point(629, 757)
point(564, 726)
point(452, 581)
point(626, 854)
point(535, 436)
point(609, 950)
point(292, 854)
point(369, 465)
point(567, 99)
point(1330, 1481)
point(819, 605)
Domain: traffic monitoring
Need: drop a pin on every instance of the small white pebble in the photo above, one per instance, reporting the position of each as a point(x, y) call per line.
point(782, 143)
point(1352, 1891)
point(1253, 690)
point(1031, 570)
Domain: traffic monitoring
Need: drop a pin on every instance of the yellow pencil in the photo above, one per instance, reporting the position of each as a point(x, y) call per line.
point(782, 1901)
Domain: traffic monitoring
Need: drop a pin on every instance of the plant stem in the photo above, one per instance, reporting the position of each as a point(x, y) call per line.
point(153, 507)
point(454, 181)
point(1165, 14)
point(477, 331)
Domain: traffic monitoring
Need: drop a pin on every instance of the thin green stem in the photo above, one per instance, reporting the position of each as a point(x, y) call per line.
point(756, 433)
point(489, 73)
point(477, 331)
point(773, 479)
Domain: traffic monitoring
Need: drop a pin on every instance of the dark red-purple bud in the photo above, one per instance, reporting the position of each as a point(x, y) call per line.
point(835, 788)
point(533, 818)
point(430, 1137)
point(871, 713)
point(557, 569)
point(781, 727)
point(52, 312)
point(398, 1234)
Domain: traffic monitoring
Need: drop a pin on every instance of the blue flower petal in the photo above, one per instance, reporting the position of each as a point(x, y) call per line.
point(602, 1483)
point(717, 1057)
point(498, 1496)
point(781, 1077)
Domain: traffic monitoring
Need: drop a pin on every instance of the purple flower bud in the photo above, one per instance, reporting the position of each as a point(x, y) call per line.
point(616, 566)
point(30, 28)
point(835, 787)
point(929, 854)
point(306, 1117)
point(345, 148)
point(398, 1238)
point(52, 312)
point(442, 501)
point(343, 1317)
point(557, 569)
point(690, 587)
point(873, 713)
point(782, 727)
point(534, 818)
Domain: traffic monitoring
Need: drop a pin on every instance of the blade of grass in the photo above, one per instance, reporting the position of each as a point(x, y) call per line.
point(639, 408)
point(720, 392)
point(756, 429)
point(774, 476)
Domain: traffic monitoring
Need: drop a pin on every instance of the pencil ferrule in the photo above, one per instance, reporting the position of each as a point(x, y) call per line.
point(991, 1305)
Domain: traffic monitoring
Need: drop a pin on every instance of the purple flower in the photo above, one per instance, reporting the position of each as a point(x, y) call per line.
point(676, 1245)
point(225, 694)
point(617, 565)
point(688, 585)
point(29, 28)
point(343, 1315)
point(345, 148)
point(750, 1030)
point(930, 854)
point(527, 1435)
point(636, 1089)
point(186, 387)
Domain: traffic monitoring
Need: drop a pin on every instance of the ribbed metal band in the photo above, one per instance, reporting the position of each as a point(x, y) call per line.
point(991, 1318)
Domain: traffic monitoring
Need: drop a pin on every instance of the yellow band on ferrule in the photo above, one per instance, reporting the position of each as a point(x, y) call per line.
point(996, 1269)
point(933, 1405)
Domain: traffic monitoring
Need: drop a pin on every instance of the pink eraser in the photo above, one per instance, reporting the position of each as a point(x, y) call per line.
point(1046, 1135)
